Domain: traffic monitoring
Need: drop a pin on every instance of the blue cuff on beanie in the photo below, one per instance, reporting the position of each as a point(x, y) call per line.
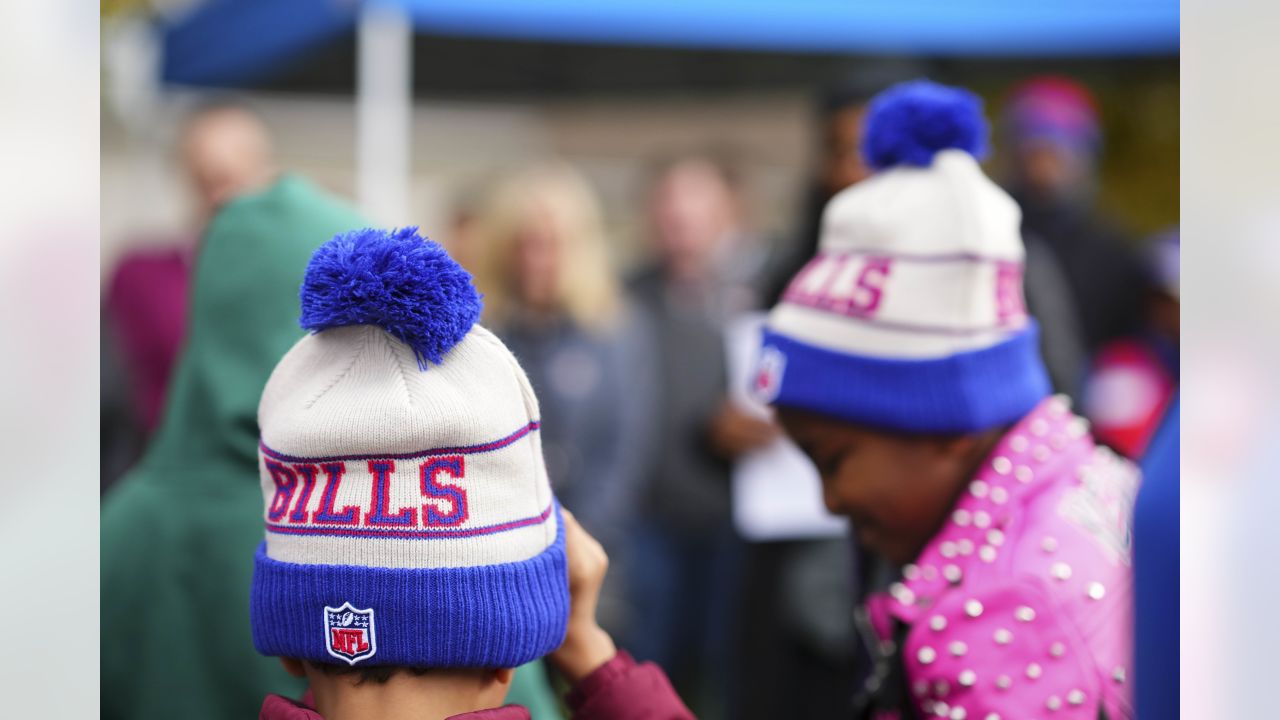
point(962, 393)
point(489, 616)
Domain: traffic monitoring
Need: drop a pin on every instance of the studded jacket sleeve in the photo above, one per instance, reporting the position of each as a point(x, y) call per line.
point(1001, 653)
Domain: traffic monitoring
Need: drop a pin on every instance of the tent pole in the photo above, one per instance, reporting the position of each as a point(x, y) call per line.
point(384, 106)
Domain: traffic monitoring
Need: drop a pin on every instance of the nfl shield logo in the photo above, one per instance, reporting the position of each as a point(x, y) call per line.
point(768, 377)
point(349, 633)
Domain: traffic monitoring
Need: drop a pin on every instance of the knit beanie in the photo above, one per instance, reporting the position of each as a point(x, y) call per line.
point(1056, 109)
point(911, 317)
point(409, 520)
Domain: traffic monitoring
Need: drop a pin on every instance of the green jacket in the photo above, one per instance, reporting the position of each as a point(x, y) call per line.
point(179, 531)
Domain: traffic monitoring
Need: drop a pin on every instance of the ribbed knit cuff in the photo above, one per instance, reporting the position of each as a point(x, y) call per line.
point(490, 616)
point(961, 393)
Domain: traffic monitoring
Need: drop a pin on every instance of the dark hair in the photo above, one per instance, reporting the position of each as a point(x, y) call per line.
point(377, 674)
point(857, 86)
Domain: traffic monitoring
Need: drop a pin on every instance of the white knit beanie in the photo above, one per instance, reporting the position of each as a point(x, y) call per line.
point(911, 317)
point(409, 520)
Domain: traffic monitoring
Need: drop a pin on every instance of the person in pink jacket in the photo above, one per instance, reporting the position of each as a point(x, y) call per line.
point(414, 553)
point(902, 360)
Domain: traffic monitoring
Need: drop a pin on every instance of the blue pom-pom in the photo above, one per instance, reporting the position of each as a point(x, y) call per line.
point(397, 280)
point(911, 121)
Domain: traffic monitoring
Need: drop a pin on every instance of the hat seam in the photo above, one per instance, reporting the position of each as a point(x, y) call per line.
point(404, 379)
point(355, 355)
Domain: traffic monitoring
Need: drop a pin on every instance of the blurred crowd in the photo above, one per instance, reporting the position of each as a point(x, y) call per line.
point(640, 431)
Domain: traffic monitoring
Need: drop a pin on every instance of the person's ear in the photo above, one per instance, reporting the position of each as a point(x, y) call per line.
point(504, 675)
point(293, 666)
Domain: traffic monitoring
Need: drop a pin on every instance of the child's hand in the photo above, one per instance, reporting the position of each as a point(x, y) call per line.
point(586, 646)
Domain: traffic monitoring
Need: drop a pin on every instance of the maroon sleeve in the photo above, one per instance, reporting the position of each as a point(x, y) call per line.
point(275, 707)
point(623, 689)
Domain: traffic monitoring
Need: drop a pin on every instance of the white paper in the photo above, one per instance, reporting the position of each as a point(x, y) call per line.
point(776, 491)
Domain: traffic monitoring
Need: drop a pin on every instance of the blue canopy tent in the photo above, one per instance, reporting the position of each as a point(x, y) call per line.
point(236, 42)
point(233, 41)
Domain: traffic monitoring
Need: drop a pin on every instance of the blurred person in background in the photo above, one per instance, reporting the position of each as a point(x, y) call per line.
point(460, 229)
point(707, 268)
point(1053, 142)
point(226, 151)
point(179, 530)
point(541, 260)
point(904, 364)
point(1133, 379)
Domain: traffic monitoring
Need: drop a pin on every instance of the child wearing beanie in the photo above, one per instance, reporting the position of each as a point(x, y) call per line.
point(902, 360)
point(414, 551)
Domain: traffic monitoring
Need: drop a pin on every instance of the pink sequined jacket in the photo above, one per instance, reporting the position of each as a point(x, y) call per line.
point(1021, 606)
